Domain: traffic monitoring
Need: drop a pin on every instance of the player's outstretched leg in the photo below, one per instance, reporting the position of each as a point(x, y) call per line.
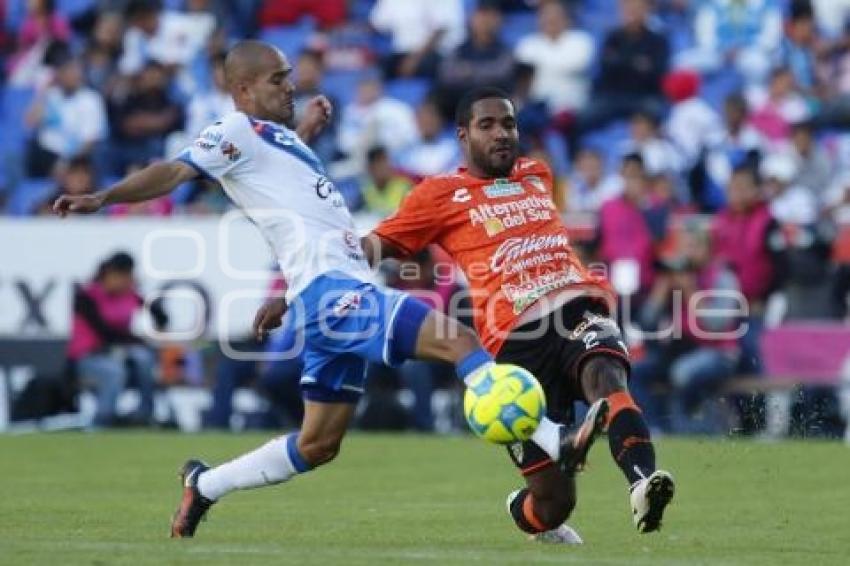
point(604, 377)
point(443, 338)
point(541, 508)
point(275, 462)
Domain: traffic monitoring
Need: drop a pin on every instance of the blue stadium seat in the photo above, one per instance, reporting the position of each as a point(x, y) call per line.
point(73, 8)
point(716, 87)
point(290, 39)
point(556, 147)
point(341, 85)
point(13, 107)
point(411, 91)
point(517, 25)
point(28, 195)
point(606, 141)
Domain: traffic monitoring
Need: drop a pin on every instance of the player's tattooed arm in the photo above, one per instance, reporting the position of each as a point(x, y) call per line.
point(317, 115)
point(149, 183)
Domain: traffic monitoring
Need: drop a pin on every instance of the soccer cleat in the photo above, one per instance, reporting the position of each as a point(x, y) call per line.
point(649, 497)
point(193, 505)
point(575, 446)
point(561, 535)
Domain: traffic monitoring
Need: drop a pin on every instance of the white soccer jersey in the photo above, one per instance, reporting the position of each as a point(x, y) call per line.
point(281, 185)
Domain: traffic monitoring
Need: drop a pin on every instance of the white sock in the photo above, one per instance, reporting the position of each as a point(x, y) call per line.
point(548, 437)
point(267, 465)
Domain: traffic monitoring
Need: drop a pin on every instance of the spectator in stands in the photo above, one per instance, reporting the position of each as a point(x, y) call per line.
point(814, 167)
point(589, 187)
point(797, 48)
point(103, 51)
point(142, 120)
point(483, 59)
point(740, 240)
point(77, 177)
point(103, 347)
point(800, 243)
point(309, 71)
point(659, 155)
point(562, 56)
point(624, 231)
point(373, 118)
point(43, 27)
point(327, 13)
point(436, 149)
point(778, 106)
point(384, 189)
point(421, 30)
point(208, 106)
point(69, 120)
point(837, 200)
point(745, 33)
point(170, 38)
point(142, 18)
point(532, 114)
point(701, 351)
point(739, 142)
point(789, 203)
point(692, 125)
point(632, 62)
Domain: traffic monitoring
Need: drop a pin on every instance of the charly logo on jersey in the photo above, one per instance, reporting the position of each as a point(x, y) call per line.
point(349, 301)
point(461, 195)
point(503, 188)
point(537, 183)
point(230, 151)
point(496, 218)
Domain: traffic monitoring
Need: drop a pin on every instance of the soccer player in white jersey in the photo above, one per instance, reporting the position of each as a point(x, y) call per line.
point(260, 159)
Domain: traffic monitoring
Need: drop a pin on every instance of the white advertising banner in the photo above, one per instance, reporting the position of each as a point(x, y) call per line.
point(211, 272)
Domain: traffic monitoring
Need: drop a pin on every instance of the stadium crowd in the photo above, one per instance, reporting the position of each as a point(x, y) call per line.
point(698, 145)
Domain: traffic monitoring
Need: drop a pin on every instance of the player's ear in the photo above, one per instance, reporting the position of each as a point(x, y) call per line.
point(461, 133)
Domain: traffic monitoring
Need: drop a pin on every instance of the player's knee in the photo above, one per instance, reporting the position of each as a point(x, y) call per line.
point(602, 376)
point(318, 451)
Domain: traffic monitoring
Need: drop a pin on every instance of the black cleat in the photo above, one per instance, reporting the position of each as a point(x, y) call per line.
point(193, 505)
point(649, 498)
point(576, 445)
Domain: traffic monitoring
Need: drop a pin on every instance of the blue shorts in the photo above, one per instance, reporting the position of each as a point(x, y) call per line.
point(347, 323)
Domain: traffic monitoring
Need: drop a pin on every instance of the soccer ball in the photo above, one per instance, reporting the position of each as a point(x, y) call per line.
point(504, 404)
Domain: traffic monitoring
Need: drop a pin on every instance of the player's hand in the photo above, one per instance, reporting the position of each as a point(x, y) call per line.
point(317, 115)
point(269, 317)
point(77, 204)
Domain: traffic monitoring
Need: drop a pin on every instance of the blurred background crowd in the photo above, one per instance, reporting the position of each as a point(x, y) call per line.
point(697, 145)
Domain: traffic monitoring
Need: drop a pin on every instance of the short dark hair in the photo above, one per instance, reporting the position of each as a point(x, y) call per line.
point(746, 168)
point(375, 153)
point(634, 157)
point(463, 112)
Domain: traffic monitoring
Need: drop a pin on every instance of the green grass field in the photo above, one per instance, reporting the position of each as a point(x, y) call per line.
point(107, 499)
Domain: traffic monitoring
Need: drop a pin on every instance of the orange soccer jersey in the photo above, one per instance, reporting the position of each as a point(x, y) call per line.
point(506, 235)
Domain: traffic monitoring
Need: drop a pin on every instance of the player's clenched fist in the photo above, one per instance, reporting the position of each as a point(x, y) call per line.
point(78, 204)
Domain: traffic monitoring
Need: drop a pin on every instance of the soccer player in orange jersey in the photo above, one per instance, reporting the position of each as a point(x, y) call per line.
point(535, 305)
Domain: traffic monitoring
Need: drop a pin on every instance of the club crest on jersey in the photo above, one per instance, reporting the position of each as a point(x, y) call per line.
point(536, 182)
point(462, 195)
point(230, 151)
point(503, 188)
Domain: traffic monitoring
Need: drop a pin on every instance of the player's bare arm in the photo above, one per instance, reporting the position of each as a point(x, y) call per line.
point(377, 248)
point(151, 182)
